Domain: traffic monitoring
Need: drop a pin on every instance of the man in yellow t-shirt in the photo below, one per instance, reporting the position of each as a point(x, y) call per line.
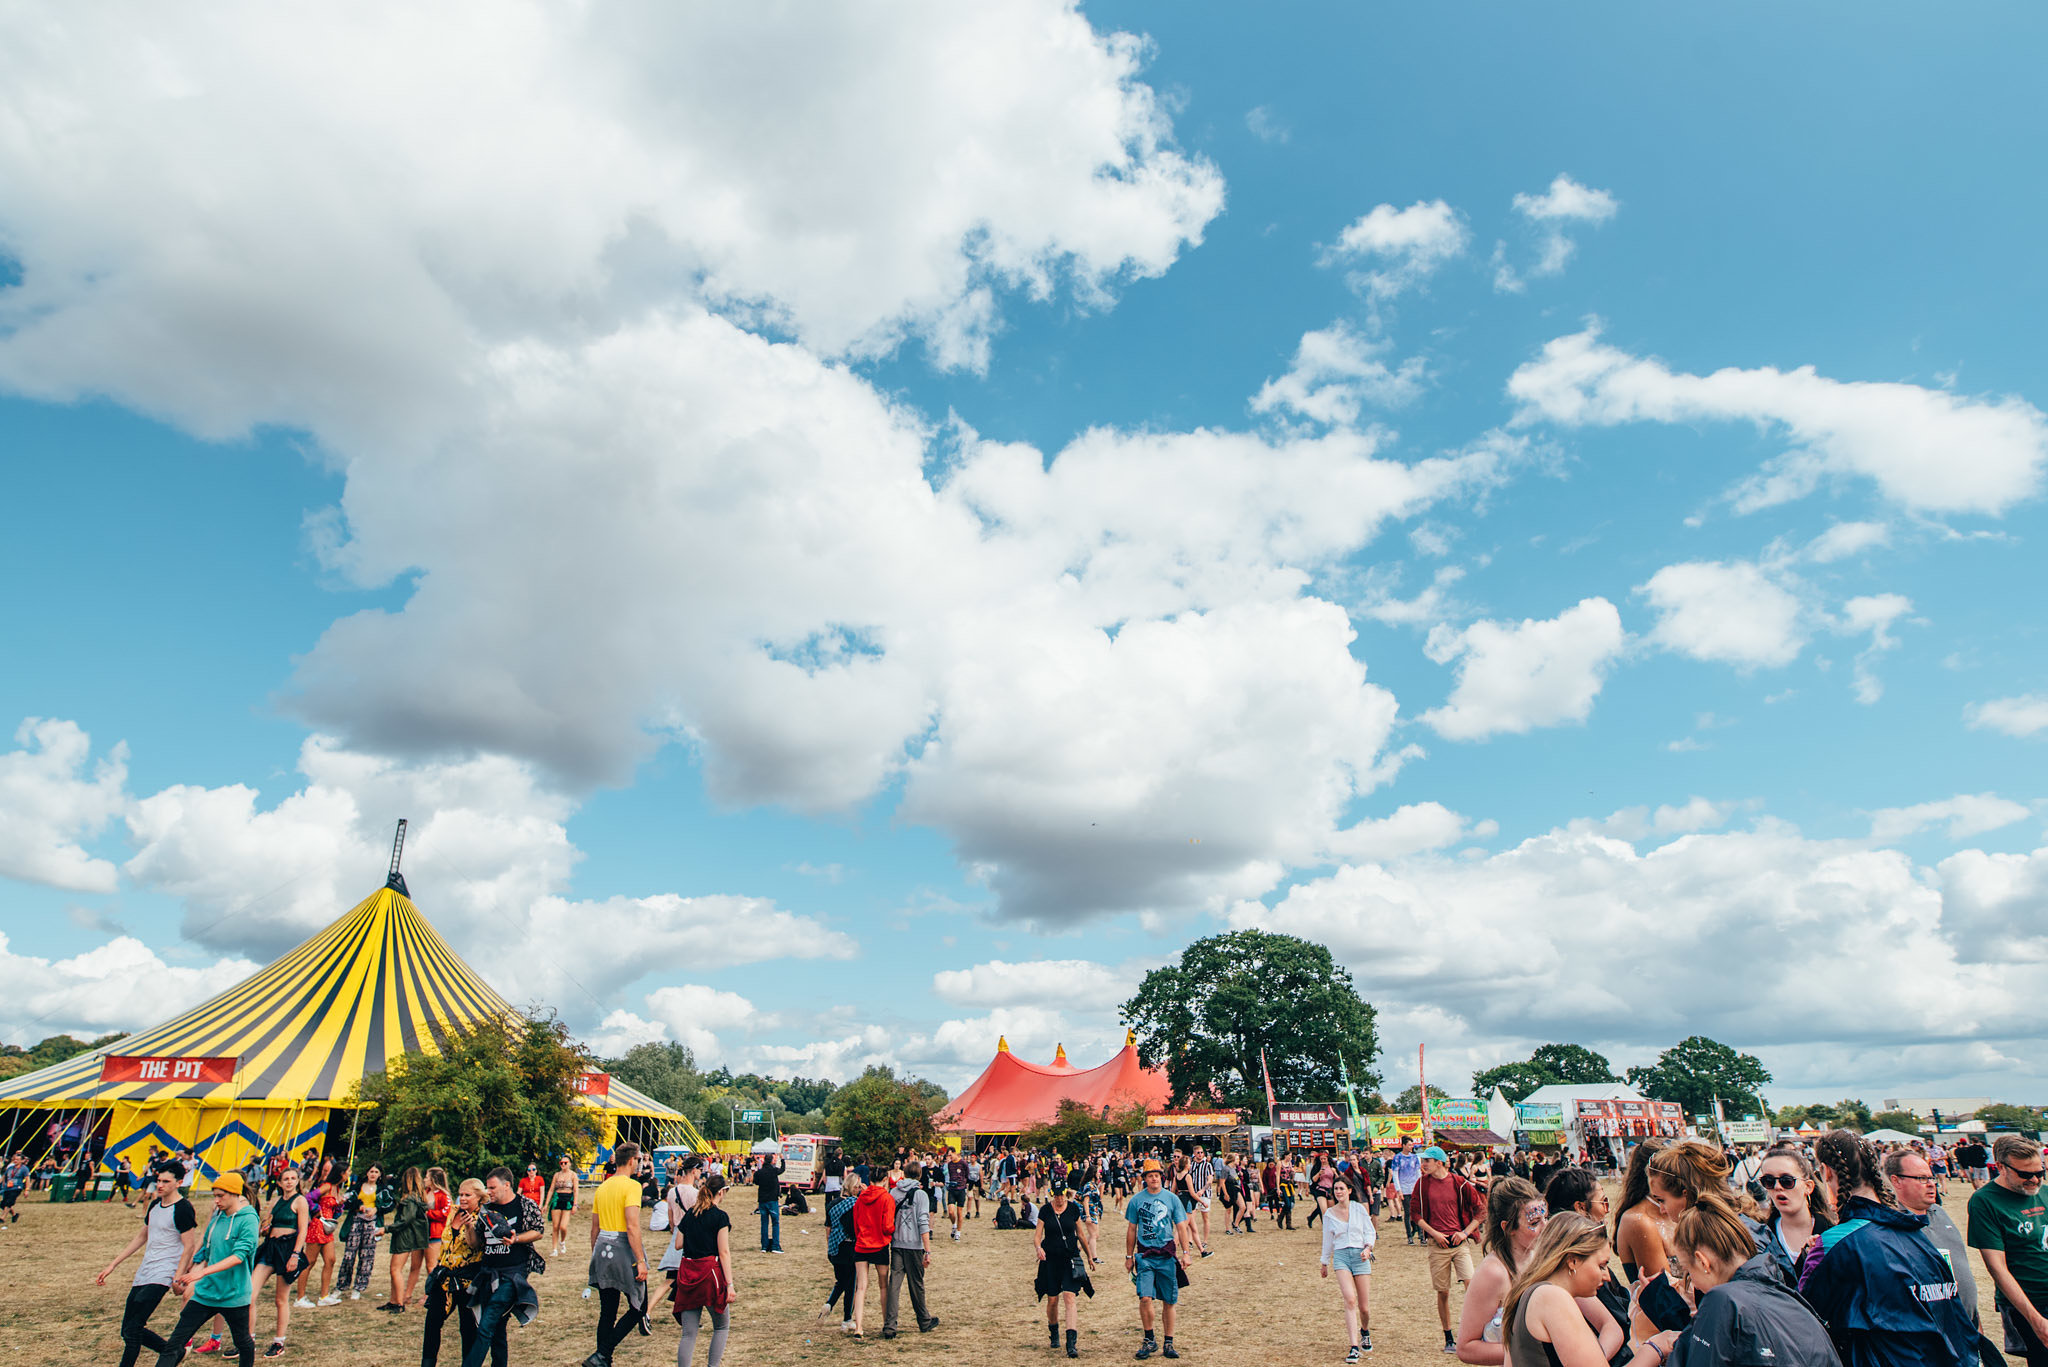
point(618, 1261)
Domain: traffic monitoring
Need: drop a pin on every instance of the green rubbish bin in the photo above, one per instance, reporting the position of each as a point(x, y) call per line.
point(63, 1188)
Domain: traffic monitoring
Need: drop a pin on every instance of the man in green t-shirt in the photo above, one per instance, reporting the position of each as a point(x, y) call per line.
point(2009, 1227)
point(218, 1280)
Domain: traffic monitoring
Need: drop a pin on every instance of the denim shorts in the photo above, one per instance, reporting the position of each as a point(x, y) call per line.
point(1158, 1278)
point(1355, 1261)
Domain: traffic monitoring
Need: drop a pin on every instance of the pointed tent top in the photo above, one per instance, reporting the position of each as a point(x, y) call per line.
point(1002, 1044)
point(396, 880)
point(1130, 1039)
point(1059, 1057)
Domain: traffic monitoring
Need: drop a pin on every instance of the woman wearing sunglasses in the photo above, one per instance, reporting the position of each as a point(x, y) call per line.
point(1797, 1206)
point(1514, 1220)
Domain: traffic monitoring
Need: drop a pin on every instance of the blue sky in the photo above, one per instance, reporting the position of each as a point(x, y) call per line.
point(844, 563)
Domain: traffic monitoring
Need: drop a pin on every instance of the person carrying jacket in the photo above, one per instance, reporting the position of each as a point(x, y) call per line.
point(1885, 1292)
point(1744, 1311)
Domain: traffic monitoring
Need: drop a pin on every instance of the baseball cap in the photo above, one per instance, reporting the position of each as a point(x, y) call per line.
point(1434, 1152)
point(230, 1182)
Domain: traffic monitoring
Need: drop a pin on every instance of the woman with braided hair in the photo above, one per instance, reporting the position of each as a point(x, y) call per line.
point(1882, 1287)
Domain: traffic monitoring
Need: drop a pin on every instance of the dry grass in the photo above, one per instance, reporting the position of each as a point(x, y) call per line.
point(1257, 1302)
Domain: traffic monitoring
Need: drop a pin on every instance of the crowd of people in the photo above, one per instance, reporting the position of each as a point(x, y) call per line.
point(1799, 1254)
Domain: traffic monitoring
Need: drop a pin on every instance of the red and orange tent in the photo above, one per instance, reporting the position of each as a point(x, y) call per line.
point(1012, 1095)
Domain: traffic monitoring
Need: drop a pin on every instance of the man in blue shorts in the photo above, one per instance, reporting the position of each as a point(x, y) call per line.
point(1156, 1239)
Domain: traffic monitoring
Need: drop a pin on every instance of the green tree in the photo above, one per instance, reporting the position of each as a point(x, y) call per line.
point(1853, 1115)
point(877, 1113)
point(804, 1095)
point(1573, 1063)
point(1410, 1101)
point(1208, 1016)
point(665, 1071)
point(1903, 1121)
point(2001, 1116)
point(1515, 1080)
point(14, 1060)
point(502, 1092)
point(1696, 1070)
point(1068, 1133)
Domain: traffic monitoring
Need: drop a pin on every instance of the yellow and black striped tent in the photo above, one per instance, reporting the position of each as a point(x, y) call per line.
point(376, 984)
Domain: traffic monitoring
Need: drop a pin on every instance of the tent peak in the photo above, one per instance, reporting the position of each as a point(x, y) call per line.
point(1002, 1044)
point(396, 880)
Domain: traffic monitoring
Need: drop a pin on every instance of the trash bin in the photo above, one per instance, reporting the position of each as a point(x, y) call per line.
point(63, 1187)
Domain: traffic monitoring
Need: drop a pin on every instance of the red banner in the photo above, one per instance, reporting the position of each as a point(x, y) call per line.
point(596, 1086)
point(166, 1068)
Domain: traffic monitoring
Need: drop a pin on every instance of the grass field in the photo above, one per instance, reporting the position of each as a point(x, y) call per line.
point(1256, 1303)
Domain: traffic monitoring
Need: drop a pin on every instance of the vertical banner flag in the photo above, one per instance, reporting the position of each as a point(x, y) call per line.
point(1263, 1068)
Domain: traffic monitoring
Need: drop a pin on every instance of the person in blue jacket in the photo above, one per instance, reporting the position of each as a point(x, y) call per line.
point(1876, 1279)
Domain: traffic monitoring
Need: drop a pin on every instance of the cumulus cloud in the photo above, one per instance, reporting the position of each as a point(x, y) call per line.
point(1565, 202)
point(1426, 608)
point(1336, 372)
point(1393, 250)
point(1927, 450)
point(1728, 611)
point(998, 983)
point(101, 990)
point(1412, 829)
point(1515, 677)
point(2021, 716)
point(49, 806)
point(1845, 539)
point(1873, 613)
point(1765, 908)
point(689, 1014)
point(1965, 814)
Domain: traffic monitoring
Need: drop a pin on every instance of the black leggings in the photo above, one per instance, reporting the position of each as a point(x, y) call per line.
point(842, 1281)
point(610, 1334)
point(136, 1334)
point(1408, 1215)
point(465, 1325)
point(236, 1317)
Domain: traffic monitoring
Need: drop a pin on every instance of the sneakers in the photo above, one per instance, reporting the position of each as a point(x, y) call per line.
point(1450, 1344)
point(1167, 1351)
point(1365, 1342)
point(926, 1326)
point(355, 1295)
point(1146, 1349)
point(305, 1303)
point(888, 1333)
point(333, 1299)
point(211, 1344)
point(1208, 1253)
point(846, 1326)
point(1353, 1353)
point(275, 1350)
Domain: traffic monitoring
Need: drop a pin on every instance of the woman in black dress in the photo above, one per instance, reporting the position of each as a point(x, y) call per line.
point(1066, 1250)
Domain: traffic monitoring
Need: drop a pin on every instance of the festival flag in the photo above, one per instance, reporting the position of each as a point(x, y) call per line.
point(1269, 1083)
point(1350, 1093)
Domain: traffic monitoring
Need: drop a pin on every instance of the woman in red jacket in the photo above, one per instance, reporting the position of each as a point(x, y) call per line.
point(874, 1229)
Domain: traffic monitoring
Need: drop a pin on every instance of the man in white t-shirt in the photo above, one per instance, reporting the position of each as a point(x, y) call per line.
point(167, 1240)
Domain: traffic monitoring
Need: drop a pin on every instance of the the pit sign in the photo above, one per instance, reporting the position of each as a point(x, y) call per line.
point(170, 1068)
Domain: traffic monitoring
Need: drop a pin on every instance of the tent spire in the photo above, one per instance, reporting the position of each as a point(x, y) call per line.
point(1002, 1044)
point(396, 880)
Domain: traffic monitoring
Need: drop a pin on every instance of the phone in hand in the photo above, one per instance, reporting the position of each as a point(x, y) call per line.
point(1662, 1305)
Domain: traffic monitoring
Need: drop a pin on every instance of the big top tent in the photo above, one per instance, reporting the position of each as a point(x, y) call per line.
point(279, 1053)
point(1012, 1095)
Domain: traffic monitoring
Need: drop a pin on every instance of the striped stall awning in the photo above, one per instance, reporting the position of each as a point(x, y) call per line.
point(376, 984)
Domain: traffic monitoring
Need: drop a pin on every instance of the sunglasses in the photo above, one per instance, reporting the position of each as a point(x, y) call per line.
point(2027, 1174)
point(1784, 1180)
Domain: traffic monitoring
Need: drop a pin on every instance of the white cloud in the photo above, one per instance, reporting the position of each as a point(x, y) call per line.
point(1335, 373)
point(1719, 923)
point(2024, 715)
point(1729, 611)
point(1874, 613)
point(1845, 539)
point(1427, 608)
point(120, 985)
point(1034, 982)
point(1925, 449)
point(1565, 202)
point(1640, 823)
point(1267, 126)
point(1403, 247)
point(1514, 677)
point(1412, 829)
point(521, 167)
point(48, 807)
point(1967, 814)
point(687, 1014)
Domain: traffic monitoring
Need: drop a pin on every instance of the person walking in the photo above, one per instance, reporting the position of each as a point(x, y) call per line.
point(874, 1229)
point(618, 1258)
point(1743, 1310)
point(532, 1184)
point(217, 1281)
point(2009, 1229)
point(408, 1239)
point(704, 1276)
point(281, 1257)
point(511, 1226)
point(167, 1240)
point(768, 1184)
point(840, 1240)
point(362, 1224)
point(1065, 1243)
point(1157, 1238)
point(1448, 1210)
point(323, 1212)
point(562, 1203)
point(440, 1205)
point(1348, 1242)
point(910, 1253)
point(448, 1284)
point(1405, 1169)
point(1882, 1287)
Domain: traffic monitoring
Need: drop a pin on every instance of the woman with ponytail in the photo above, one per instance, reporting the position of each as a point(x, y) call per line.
point(1743, 1310)
point(1515, 1215)
point(704, 1279)
point(1883, 1288)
